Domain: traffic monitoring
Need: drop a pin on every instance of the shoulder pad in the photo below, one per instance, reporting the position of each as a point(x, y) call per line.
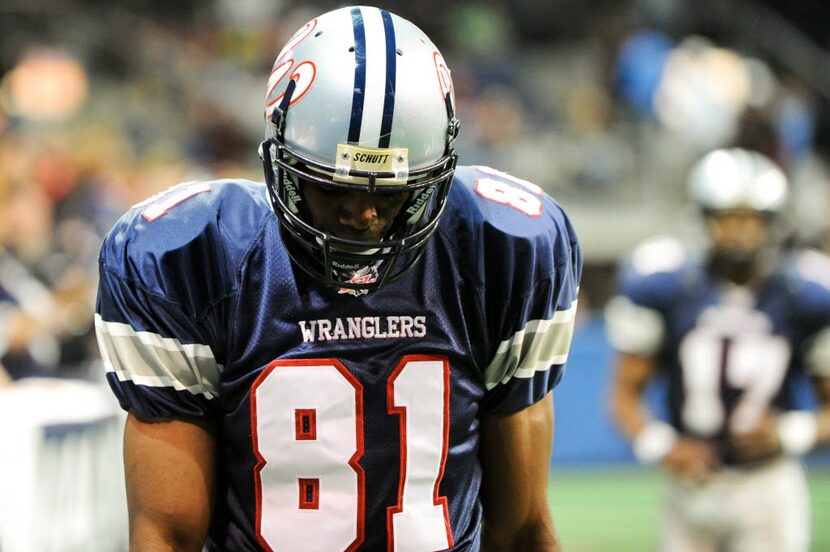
point(659, 254)
point(194, 234)
point(814, 266)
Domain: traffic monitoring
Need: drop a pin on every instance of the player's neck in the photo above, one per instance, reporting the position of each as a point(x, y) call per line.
point(741, 271)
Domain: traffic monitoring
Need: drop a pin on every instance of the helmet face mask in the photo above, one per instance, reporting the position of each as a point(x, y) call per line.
point(405, 147)
point(343, 262)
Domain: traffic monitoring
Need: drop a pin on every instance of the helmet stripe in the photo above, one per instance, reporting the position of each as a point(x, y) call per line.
point(359, 76)
point(391, 69)
point(376, 76)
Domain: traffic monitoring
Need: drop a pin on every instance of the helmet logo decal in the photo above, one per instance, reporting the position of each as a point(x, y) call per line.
point(298, 37)
point(276, 76)
point(303, 74)
point(444, 78)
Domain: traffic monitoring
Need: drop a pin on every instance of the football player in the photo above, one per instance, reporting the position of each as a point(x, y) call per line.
point(359, 353)
point(731, 330)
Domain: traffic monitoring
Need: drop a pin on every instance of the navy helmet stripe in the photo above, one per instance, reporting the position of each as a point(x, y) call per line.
point(359, 76)
point(391, 67)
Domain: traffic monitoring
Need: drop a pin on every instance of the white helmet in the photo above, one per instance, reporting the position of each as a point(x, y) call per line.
point(735, 178)
point(359, 99)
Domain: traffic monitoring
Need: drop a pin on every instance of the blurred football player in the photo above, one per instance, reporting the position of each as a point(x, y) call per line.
point(732, 331)
point(359, 353)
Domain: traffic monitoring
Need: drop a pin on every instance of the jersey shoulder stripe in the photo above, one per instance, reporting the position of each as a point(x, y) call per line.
point(534, 348)
point(146, 358)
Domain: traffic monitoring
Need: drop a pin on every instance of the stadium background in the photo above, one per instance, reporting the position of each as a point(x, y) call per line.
point(604, 103)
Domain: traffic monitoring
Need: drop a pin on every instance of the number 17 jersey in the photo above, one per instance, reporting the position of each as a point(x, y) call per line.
point(730, 354)
point(343, 422)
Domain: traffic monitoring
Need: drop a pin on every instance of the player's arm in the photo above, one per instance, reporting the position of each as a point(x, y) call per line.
point(515, 458)
point(169, 468)
point(822, 389)
point(5, 378)
point(654, 441)
point(631, 375)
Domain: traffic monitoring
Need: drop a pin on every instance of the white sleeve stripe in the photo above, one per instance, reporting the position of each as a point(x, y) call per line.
point(539, 345)
point(541, 326)
point(159, 381)
point(530, 371)
point(118, 329)
point(150, 359)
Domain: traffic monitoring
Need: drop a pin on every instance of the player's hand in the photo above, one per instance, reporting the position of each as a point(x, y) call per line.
point(691, 460)
point(758, 443)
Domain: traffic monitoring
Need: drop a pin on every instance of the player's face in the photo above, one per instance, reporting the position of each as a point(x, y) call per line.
point(742, 232)
point(353, 215)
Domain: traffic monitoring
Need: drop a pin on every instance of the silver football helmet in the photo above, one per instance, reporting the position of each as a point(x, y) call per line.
point(735, 178)
point(359, 99)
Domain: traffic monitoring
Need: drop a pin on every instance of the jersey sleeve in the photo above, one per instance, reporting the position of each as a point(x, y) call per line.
point(166, 289)
point(634, 315)
point(533, 265)
point(156, 357)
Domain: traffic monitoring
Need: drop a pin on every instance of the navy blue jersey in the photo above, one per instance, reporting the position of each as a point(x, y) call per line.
point(343, 422)
point(729, 353)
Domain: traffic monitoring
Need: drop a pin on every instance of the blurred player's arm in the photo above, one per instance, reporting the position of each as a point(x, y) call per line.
point(822, 388)
point(632, 374)
point(654, 441)
point(794, 432)
point(169, 468)
point(5, 379)
point(515, 457)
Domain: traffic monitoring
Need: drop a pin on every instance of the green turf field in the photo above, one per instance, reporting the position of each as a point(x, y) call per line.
point(616, 510)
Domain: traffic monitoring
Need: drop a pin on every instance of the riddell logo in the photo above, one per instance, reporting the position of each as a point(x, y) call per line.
point(419, 201)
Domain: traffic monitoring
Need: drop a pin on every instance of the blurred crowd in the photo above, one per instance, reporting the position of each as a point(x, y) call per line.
point(603, 103)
